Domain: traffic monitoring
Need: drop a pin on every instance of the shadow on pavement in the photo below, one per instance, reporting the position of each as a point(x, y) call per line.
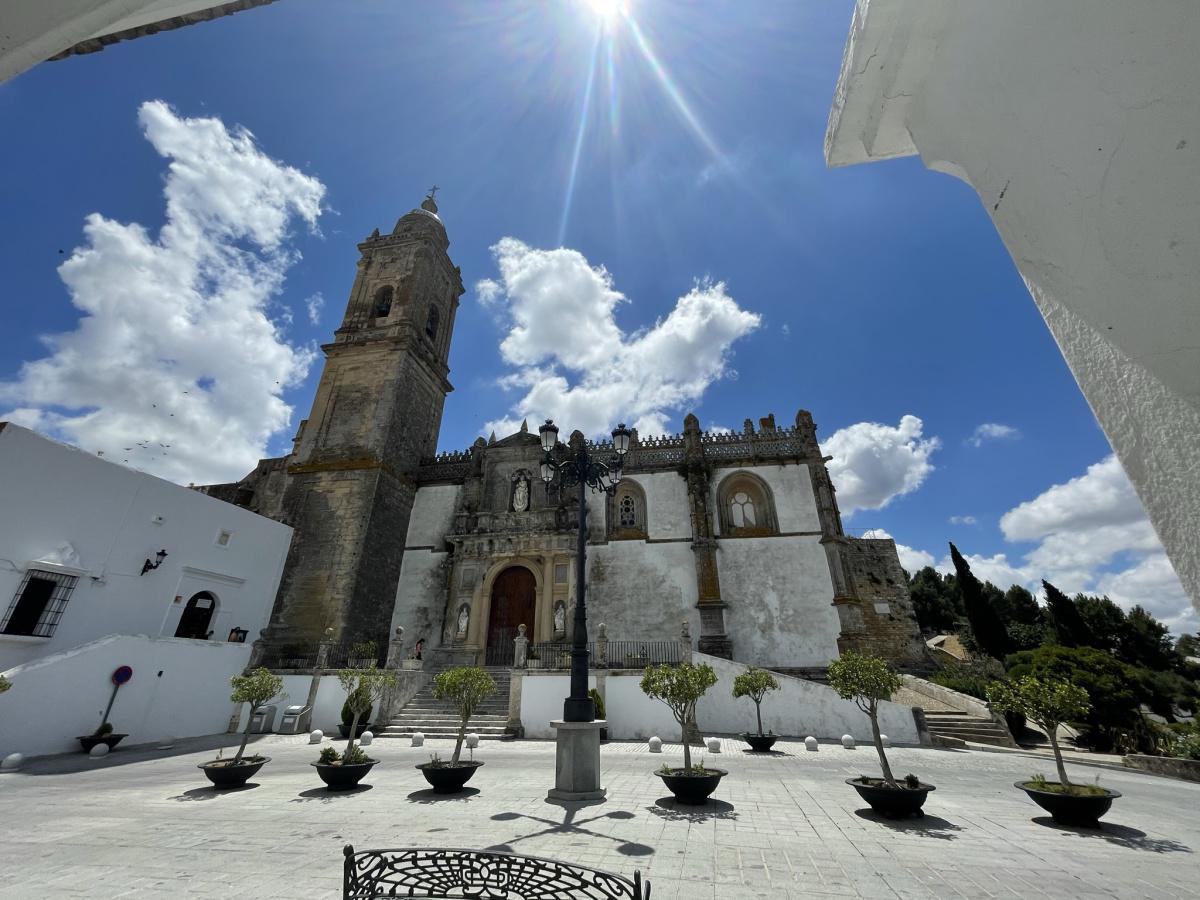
point(211, 793)
point(325, 795)
point(750, 752)
point(569, 826)
point(430, 796)
point(921, 826)
point(1120, 835)
point(671, 810)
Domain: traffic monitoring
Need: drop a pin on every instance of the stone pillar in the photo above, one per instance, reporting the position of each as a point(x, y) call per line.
point(713, 639)
point(395, 654)
point(520, 648)
point(314, 684)
point(515, 727)
point(577, 761)
point(601, 645)
point(685, 641)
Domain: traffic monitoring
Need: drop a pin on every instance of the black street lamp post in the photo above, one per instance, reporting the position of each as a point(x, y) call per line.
point(578, 467)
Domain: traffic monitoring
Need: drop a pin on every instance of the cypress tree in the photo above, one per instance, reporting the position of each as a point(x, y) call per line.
point(1069, 625)
point(991, 636)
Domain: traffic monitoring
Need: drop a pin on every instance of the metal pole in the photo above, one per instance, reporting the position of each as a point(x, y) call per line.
point(579, 707)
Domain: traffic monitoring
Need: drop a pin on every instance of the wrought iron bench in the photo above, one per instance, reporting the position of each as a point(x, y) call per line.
point(478, 875)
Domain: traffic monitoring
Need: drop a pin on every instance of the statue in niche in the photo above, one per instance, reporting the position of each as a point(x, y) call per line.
point(560, 618)
point(464, 619)
point(521, 495)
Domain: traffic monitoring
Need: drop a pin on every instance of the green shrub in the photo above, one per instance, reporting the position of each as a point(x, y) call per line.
point(1046, 701)
point(867, 680)
point(255, 689)
point(598, 702)
point(680, 688)
point(970, 678)
point(328, 756)
point(755, 683)
point(467, 687)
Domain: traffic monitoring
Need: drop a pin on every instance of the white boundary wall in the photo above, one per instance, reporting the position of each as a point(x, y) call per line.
point(180, 688)
point(798, 709)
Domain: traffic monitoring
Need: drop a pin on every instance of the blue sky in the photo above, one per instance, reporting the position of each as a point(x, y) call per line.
point(881, 291)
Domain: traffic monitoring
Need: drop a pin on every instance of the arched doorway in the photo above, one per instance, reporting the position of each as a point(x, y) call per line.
point(514, 597)
point(197, 616)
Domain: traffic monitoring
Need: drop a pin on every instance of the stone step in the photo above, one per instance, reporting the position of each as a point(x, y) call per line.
point(447, 722)
point(429, 732)
point(440, 736)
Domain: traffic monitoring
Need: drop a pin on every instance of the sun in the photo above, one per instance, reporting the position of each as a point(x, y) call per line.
point(606, 10)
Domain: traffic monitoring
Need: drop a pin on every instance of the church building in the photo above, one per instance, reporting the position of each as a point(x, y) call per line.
point(733, 538)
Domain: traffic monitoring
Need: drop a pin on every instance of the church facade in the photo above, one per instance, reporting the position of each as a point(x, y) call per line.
point(734, 537)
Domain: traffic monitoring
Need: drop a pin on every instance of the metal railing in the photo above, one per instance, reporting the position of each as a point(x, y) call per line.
point(608, 654)
point(304, 656)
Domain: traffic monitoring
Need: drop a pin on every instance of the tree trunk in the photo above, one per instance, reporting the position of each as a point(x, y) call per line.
point(462, 731)
point(1052, 733)
point(245, 736)
point(758, 712)
point(883, 763)
point(350, 740)
point(687, 750)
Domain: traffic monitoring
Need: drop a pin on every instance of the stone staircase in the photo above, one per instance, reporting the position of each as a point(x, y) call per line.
point(439, 718)
point(959, 726)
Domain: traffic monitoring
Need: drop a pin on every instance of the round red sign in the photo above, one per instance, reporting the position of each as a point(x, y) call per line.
point(121, 674)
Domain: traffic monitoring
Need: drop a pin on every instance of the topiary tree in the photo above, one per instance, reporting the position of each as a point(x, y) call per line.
point(1046, 701)
point(256, 689)
point(365, 707)
point(866, 680)
point(680, 687)
point(363, 688)
point(755, 683)
point(466, 687)
point(5, 684)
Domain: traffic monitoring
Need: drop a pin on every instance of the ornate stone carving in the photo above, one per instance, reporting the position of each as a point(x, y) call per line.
point(464, 620)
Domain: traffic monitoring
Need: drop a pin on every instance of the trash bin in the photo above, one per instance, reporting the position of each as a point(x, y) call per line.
point(292, 717)
point(263, 721)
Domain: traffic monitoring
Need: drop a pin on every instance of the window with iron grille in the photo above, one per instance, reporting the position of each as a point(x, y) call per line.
point(38, 604)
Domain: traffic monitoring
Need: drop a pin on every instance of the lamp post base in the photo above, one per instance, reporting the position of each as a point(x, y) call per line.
point(577, 761)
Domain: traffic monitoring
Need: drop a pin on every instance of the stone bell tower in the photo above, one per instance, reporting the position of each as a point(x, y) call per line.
point(376, 414)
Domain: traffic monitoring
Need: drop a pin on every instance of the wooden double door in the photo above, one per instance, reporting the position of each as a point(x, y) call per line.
point(514, 602)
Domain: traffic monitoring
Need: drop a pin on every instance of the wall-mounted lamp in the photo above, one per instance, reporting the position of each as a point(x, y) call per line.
point(148, 566)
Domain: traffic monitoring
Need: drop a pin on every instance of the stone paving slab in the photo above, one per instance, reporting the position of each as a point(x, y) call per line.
point(144, 824)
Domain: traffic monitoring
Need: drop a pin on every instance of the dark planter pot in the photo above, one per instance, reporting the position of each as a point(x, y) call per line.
point(760, 743)
point(226, 776)
point(449, 779)
point(87, 742)
point(358, 729)
point(1071, 809)
point(890, 802)
point(342, 778)
point(692, 790)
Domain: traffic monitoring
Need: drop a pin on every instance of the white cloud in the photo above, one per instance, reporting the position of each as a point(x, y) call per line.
point(1090, 534)
point(873, 464)
point(577, 366)
point(314, 303)
point(963, 520)
point(176, 364)
point(992, 431)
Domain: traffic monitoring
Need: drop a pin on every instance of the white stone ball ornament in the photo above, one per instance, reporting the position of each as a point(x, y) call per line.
point(418, 739)
point(848, 741)
point(810, 743)
point(99, 751)
point(713, 744)
point(316, 736)
point(12, 762)
point(885, 741)
point(472, 741)
point(364, 739)
point(655, 745)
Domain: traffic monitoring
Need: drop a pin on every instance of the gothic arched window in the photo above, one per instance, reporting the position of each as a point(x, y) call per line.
point(626, 512)
point(431, 324)
point(746, 506)
point(383, 301)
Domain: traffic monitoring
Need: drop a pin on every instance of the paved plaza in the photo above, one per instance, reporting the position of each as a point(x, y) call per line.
point(143, 824)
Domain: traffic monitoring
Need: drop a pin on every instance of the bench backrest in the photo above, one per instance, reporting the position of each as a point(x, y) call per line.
point(479, 875)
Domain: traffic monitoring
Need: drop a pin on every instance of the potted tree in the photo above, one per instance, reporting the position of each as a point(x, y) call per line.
point(681, 687)
point(1048, 702)
point(363, 688)
point(867, 680)
point(755, 683)
point(466, 687)
point(355, 722)
point(255, 689)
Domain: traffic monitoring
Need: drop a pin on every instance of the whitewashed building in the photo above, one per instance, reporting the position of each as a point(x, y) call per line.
point(77, 533)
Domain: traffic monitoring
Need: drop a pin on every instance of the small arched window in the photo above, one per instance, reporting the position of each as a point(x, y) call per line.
point(626, 512)
point(431, 324)
point(745, 506)
point(383, 301)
